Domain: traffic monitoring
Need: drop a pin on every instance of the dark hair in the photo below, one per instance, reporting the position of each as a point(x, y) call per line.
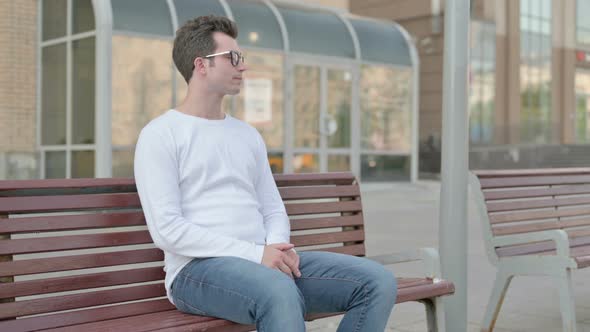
point(195, 39)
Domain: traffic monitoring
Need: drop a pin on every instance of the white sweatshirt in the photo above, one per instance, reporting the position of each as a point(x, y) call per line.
point(207, 190)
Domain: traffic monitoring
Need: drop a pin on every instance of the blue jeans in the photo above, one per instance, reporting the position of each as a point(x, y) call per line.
point(249, 293)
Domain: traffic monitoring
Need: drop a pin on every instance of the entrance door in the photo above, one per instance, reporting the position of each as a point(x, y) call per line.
point(582, 125)
point(322, 111)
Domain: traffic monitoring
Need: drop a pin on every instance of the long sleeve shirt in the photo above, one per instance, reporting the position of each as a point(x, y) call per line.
point(207, 190)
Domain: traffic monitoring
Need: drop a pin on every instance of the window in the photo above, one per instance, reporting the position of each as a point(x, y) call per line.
point(535, 71)
point(482, 82)
point(142, 90)
point(583, 22)
point(67, 113)
point(386, 123)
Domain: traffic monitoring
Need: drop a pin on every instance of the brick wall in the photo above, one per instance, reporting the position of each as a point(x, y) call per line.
point(18, 60)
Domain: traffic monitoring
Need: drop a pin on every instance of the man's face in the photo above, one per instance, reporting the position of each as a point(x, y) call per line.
point(222, 76)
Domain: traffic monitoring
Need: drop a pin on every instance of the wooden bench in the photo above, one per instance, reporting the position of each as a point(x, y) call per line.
point(77, 256)
point(535, 222)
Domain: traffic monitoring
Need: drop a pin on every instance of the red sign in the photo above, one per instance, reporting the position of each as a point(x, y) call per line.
point(582, 56)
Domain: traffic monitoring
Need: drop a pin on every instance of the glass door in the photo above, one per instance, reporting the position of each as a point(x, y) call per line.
point(582, 118)
point(322, 99)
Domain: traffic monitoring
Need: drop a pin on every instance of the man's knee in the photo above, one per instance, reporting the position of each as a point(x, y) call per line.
point(281, 297)
point(381, 283)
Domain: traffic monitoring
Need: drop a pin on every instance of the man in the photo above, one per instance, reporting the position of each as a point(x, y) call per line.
point(212, 206)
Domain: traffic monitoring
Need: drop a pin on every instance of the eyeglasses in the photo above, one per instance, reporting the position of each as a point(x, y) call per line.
point(235, 57)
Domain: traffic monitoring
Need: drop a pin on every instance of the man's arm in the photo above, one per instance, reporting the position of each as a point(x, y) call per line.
point(157, 179)
point(276, 221)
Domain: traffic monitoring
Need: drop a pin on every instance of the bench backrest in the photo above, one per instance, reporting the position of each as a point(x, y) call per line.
point(69, 244)
point(522, 201)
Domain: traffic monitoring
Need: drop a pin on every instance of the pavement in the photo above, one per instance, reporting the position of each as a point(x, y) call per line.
point(403, 216)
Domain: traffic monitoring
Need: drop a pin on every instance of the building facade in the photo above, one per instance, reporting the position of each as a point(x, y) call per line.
point(529, 79)
point(328, 91)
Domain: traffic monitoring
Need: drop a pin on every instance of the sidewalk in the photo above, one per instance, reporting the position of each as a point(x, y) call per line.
point(404, 216)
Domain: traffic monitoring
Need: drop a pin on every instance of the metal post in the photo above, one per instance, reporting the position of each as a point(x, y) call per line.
point(453, 196)
point(103, 14)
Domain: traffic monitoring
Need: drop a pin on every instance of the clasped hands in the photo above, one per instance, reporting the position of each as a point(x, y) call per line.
point(279, 256)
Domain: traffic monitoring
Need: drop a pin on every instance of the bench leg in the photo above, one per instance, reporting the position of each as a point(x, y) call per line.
point(435, 315)
point(496, 298)
point(567, 302)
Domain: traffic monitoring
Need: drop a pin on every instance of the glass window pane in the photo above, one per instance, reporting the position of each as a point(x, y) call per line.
point(535, 60)
point(582, 17)
point(276, 162)
point(83, 78)
point(55, 164)
point(386, 113)
point(306, 163)
point(337, 122)
point(535, 8)
point(583, 36)
point(82, 164)
point(317, 32)
point(545, 9)
point(83, 17)
point(189, 9)
point(338, 163)
point(145, 16)
point(382, 42)
point(261, 102)
point(142, 85)
point(257, 25)
point(307, 107)
point(524, 7)
point(123, 163)
point(376, 168)
point(54, 18)
point(53, 95)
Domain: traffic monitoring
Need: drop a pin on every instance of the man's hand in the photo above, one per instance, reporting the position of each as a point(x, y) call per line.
point(294, 258)
point(276, 256)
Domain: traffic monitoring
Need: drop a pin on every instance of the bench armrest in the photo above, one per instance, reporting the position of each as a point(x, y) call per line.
point(429, 256)
point(556, 235)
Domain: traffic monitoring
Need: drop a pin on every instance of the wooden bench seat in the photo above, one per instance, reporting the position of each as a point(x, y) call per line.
point(75, 255)
point(535, 222)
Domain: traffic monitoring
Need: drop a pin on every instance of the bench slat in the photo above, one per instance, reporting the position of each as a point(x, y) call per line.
point(323, 207)
point(149, 322)
point(537, 247)
point(539, 226)
point(425, 291)
point(71, 222)
point(85, 316)
point(529, 181)
point(314, 179)
point(76, 262)
point(65, 183)
point(327, 238)
point(71, 242)
point(500, 173)
point(292, 193)
point(39, 204)
point(74, 301)
point(327, 222)
point(497, 218)
point(84, 281)
point(354, 249)
point(539, 192)
point(537, 203)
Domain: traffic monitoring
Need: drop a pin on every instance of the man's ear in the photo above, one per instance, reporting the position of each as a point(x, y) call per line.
point(200, 65)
